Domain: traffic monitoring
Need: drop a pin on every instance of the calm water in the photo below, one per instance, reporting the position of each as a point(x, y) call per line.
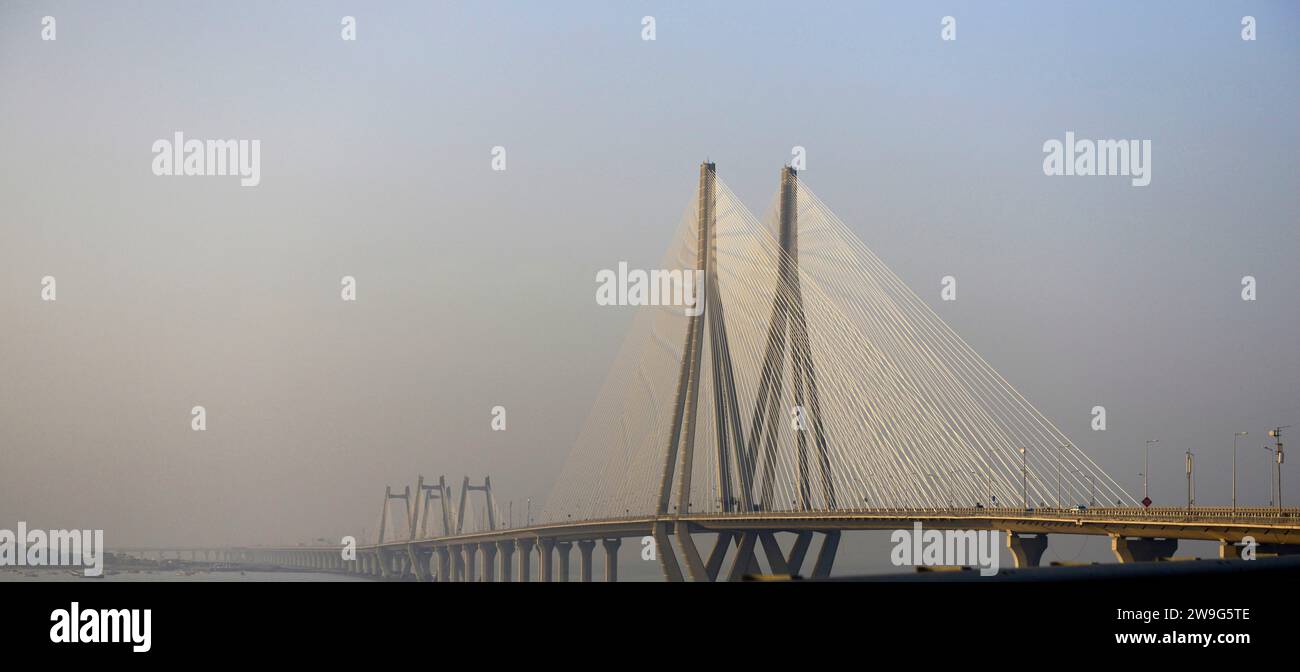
point(62, 575)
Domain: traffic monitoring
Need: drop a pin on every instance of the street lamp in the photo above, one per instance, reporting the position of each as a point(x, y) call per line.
point(1058, 476)
point(1024, 479)
point(1146, 471)
point(1234, 469)
point(1276, 434)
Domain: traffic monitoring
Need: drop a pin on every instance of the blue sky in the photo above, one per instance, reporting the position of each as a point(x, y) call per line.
point(476, 286)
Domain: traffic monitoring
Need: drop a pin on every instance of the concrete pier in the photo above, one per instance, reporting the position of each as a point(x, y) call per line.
point(489, 562)
point(547, 547)
point(585, 548)
point(562, 550)
point(1139, 549)
point(471, 559)
point(506, 550)
point(443, 555)
point(611, 558)
point(457, 564)
point(525, 556)
point(419, 562)
point(1026, 550)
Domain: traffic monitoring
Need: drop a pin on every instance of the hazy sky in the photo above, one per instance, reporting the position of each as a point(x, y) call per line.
point(475, 287)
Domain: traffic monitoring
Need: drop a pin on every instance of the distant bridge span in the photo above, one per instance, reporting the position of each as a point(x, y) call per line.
point(508, 554)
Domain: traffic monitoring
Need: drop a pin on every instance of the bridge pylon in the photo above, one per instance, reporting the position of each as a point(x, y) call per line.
point(788, 322)
point(788, 316)
point(389, 496)
point(424, 496)
point(465, 489)
point(730, 438)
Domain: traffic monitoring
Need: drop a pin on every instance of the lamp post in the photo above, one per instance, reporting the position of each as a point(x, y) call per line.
point(1276, 433)
point(1234, 469)
point(1024, 479)
point(1058, 477)
point(1146, 471)
point(1190, 498)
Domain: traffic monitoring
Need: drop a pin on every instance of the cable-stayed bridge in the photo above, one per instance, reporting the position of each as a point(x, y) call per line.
point(806, 391)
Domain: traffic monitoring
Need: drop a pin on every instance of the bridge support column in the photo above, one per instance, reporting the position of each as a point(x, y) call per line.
point(1141, 549)
point(471, 560)
point(1026, 551)
point(585, 548)
point(419, 563)
point(744, 562)
point(489, 562)
point(563, 548)
point(525, 556)
point(826, 554)
point(457, 563)
point(443, 556)
point(506, 551)
point(547, 546)
point(611, 558)
point(1229, 550)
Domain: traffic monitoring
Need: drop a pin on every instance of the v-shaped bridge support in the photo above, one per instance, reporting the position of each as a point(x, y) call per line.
point(787, 316)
